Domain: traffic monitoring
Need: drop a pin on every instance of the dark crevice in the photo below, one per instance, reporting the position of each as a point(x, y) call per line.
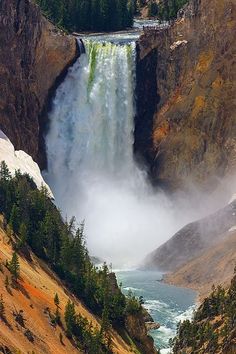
point(43, 117)
point(147, 99)
point(17, 19)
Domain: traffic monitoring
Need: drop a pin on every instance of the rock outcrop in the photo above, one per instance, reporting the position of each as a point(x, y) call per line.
point(214, 266)
point(193, 240)
point(186, 114)
point(137, 329)
point(33, 57)
point(201, 254)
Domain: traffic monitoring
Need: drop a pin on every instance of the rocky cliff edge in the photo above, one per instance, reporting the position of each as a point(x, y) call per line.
point(33, 57)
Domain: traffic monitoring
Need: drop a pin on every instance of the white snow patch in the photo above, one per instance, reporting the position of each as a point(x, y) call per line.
point(19, 160)
point(232, 228)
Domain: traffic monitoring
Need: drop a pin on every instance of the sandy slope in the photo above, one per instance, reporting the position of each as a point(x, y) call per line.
point(214, 266)
point(38, 286)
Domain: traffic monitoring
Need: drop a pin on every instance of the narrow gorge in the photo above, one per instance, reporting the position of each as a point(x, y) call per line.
point(133, 133)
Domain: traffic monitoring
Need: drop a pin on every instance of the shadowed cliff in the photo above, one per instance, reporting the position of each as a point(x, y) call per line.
point(33, 57)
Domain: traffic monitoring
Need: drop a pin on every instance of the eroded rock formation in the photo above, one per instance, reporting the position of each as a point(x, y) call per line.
point(33, 56)
point(193, 239)
point(189, 121)
point(201, 254)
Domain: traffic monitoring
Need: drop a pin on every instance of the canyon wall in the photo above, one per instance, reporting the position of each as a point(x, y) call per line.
point(201, 253)
point(33, 57)
point(186, 127)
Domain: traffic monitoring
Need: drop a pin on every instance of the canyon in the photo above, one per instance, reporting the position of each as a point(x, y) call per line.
point(184, 136)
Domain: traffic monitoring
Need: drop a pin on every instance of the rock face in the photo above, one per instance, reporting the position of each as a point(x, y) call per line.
point(137, 329)
point(186, 114)
point(201, 254)
point(214, 265)
point(193, 240)
point(33, 56)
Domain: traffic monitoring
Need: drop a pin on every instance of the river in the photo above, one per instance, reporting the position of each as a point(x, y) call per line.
point(167, 304)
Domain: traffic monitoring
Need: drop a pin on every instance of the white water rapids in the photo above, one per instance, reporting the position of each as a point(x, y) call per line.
point(91, 169)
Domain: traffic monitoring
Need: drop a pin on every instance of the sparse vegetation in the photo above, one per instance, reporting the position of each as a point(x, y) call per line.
point(14, 268)
point(133, 304)
point(213, 325)
point(89, 339)
point(2, 308)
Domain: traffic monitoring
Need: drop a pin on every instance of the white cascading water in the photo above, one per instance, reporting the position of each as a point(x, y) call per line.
point(91, 169)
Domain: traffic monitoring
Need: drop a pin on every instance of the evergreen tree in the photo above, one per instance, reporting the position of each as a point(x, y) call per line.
point(5, 174)
point(56, 300)
point(51, 235)
point(2, 308)
point(14, 267)
point(6, 282)
point(15, 218)
point(70, 318)
point(105, 325)
point(22, 235)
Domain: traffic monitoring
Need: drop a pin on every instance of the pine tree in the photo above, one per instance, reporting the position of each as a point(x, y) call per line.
point(5, 174)
point(23, 235)
point(2, 308)
point(51, 235)
point(56, 300)
point(14, 267)
point(15, 218)
point(70, 318)
point(105, 319)
point(6, 282)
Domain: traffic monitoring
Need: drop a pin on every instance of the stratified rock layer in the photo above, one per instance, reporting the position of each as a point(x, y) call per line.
point(32, 58)
point(189, 121)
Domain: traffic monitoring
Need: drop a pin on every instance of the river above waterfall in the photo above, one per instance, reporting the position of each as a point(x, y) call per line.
point(125, 36)
point(167, 304)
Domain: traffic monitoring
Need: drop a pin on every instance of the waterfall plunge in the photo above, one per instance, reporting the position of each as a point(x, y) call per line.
point(90, 158)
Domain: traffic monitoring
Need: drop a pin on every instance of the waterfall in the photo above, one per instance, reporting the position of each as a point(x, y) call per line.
point(91, 169)
point(92, 117)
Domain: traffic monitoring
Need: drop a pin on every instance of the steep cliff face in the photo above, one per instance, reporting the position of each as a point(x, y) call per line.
point(214, 266)
point(190, 119)
point(32, 58)
point(136, 328)
point(193, 239)
point(201, 254)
